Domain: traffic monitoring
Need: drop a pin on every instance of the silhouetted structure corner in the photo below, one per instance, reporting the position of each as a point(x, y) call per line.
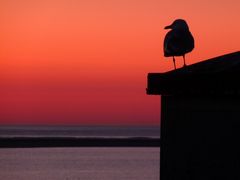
point(200, 119)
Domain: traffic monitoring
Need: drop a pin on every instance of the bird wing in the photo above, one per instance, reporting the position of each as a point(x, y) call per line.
point(177, 43)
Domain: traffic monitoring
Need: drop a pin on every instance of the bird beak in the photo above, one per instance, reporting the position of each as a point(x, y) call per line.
point(168, 27)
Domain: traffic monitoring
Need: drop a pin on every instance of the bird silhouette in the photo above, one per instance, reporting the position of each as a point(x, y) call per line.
point(178, 41)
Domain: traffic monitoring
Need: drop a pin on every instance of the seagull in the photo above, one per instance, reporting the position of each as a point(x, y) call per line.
point(178, 41)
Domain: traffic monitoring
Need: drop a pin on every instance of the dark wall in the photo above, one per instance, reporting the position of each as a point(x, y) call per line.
point(200, 137)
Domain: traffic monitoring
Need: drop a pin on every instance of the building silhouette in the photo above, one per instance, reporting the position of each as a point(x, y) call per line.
point(200, 119)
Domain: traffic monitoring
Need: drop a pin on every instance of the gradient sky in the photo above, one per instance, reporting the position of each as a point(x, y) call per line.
point(86, 61)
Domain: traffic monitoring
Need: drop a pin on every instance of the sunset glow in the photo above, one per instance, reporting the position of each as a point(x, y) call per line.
point(86, 62)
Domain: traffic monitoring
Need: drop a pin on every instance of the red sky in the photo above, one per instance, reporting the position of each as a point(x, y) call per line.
point(86, 62)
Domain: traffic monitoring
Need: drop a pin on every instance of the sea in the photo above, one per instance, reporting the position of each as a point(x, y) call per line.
point(80, 163)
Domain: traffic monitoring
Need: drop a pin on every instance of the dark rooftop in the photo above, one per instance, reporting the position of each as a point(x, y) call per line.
point(216, 76)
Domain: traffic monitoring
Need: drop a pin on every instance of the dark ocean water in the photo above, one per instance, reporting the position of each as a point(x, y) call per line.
point(80, 131)
point(80, 163)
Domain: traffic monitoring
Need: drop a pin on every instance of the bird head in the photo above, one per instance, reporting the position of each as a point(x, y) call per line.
point(178, 24)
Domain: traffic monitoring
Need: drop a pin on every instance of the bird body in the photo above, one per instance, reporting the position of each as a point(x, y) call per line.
point(178, 41)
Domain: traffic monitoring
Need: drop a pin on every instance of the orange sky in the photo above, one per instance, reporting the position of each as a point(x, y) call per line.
point(86, 62)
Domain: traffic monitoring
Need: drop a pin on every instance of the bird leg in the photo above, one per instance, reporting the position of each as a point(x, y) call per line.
point(184, 61)
point(174, 62)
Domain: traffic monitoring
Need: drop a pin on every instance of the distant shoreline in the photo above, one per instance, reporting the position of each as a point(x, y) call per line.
point(31, 142)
